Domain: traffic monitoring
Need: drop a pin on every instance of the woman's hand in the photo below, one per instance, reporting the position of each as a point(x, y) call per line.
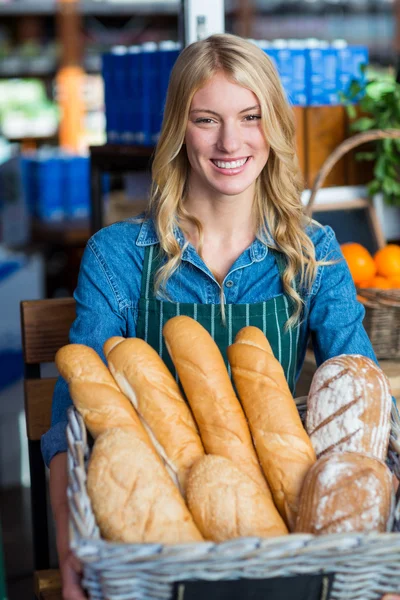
point(391, 597)
point(71, 572)
point(70, 566)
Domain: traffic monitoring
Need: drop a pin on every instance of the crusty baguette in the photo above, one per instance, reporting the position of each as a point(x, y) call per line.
point(94, 391)
point(208, 389)
point(282, 444)
point(348, 407)
point(133, 497)
point(345, 492)
point(226, 503)
point(144, 378)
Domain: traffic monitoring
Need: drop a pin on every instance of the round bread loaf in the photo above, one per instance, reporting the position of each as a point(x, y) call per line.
point(346, 492)
point(227, 503)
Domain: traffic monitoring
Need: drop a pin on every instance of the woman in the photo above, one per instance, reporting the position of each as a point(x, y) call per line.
point(224, 240)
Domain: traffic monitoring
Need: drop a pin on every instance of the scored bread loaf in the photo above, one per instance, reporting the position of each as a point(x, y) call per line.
point(133, 497)
point(346, 492)
point(94, 391)
point(208, 389)
point(144, 378)
point(348, 407)
point(281, 442)
point(226, 503)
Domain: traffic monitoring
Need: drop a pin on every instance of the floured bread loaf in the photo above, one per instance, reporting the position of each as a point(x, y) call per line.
point(349, 407)
point(226, 503)
point(346, 492)
point(132, 495)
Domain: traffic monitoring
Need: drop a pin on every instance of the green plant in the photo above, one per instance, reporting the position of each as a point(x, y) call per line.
point(378, 101)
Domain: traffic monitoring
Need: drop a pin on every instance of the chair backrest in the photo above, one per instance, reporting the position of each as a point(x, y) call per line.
point(45, 326)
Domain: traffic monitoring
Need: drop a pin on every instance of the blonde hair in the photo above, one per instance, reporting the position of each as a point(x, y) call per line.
point(278, 210)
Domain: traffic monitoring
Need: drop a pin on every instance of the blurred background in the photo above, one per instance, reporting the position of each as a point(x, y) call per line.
point(82, 86)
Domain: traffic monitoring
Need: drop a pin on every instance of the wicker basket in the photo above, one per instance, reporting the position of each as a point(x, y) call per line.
point(382, 307)
point(382, 320)
point(365, 565)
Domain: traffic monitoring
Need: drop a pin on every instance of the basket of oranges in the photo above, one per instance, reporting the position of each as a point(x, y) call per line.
point(378, 285)
point(377, 277)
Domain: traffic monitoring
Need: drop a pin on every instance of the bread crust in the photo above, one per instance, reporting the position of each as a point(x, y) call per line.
point(208, 389)
point(349, 406)
point(226, 503)
point(144, 378)
point(95, 393)
point(346, 492)
point(133, 498)
point(282, 444)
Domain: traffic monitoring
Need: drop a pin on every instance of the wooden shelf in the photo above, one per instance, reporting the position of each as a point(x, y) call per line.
point(61, 233)
point(120, 157)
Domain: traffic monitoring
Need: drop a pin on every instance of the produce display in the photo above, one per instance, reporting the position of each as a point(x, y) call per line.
point(381, 271)
point(211, 463)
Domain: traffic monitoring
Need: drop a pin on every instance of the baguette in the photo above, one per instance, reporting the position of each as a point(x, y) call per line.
point(133, 497)
point(95, 393)
point(349, 406)
point(346, 492)
point(282, 444)
point(208, 389)
point(144, 378)
point(226, 503)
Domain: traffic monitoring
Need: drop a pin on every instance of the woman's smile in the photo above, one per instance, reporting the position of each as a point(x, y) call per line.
point(233, 166)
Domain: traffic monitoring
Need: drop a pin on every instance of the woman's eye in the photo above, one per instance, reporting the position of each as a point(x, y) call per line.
point(204, 120)
point(253, 117)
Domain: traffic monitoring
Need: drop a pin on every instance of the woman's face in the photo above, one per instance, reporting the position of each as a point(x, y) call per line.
point(225, 144)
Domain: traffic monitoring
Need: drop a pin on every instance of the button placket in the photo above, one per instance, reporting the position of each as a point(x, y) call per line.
point(231, 285)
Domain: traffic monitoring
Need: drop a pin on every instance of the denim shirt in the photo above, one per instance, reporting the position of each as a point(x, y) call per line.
point(108, 292)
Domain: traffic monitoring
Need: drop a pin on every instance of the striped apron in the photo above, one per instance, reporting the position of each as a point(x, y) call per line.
point(270, 316)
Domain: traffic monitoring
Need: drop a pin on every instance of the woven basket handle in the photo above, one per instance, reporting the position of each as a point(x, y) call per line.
point(341, 150)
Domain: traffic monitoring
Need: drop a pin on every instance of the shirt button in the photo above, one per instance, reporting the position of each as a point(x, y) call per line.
point(229, 284)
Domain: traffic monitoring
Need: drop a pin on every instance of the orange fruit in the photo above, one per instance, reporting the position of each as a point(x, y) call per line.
point(395, 281)
point(387, 260)
point(363, 284)
point(361, 264)
point(382, 283)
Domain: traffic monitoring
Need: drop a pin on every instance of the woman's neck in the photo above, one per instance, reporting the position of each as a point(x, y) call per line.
point(224, 221)
point(228, 229)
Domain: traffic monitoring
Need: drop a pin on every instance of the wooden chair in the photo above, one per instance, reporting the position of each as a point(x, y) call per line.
point(45, 327)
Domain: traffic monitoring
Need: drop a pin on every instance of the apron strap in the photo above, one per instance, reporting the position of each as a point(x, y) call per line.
point(150, 266)
point(282, 264)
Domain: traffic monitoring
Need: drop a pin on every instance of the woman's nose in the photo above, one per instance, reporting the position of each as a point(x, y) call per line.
point(229, 139)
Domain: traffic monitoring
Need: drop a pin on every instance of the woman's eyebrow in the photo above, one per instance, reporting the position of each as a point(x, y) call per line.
point(212, 112)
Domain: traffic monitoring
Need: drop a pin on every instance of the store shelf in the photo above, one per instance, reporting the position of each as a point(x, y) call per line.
point(119, 157)
point(93, 7)
point(61, 233)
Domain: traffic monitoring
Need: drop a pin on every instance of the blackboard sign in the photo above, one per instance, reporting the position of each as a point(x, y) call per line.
point(352, 221)
point(300, 587)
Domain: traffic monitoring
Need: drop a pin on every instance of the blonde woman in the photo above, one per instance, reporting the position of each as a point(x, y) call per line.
point(224, 241)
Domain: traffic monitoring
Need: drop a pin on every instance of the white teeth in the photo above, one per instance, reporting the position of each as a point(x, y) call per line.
point(230, 165)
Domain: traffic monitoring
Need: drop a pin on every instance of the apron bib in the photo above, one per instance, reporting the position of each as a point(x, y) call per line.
point(269, 316)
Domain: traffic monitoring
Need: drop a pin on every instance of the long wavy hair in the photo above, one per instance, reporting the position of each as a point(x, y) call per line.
point(277, 206)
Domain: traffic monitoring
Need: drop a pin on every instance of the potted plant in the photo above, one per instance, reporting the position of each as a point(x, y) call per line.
point(377, 106)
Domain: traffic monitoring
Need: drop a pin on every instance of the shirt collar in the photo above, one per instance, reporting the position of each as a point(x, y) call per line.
point(148, 236)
